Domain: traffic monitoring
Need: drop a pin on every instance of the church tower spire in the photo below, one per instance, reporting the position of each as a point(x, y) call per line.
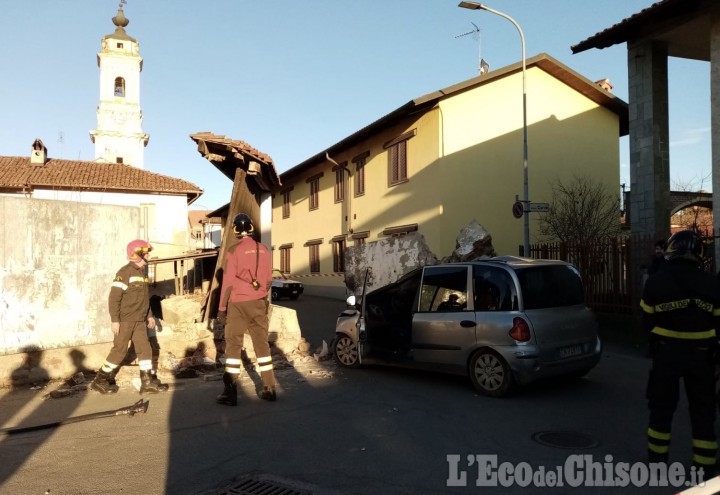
point(119, 136)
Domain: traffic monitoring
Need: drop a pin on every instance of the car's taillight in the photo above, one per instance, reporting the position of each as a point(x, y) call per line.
point(520, 330)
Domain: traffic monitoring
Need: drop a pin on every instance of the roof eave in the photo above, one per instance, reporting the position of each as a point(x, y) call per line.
point(425, 102)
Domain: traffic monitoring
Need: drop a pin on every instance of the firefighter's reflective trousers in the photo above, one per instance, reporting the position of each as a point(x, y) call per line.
point(250, 317)
point(695, 366)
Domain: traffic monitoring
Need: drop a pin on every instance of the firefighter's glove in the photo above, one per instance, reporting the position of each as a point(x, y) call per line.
point(222, 318)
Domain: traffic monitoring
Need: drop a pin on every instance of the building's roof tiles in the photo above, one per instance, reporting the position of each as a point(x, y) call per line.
point(665, 14)
point(17, 173)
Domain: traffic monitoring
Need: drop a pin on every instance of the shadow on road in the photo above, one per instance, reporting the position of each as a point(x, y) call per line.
point(17, 446)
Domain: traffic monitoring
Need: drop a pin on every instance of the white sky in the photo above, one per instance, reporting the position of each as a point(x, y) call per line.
point(292, 78)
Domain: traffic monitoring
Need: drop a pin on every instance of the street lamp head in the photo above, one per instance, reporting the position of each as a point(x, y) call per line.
point(471, 5)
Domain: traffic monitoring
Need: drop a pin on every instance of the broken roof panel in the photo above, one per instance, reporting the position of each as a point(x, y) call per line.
point(230, 154)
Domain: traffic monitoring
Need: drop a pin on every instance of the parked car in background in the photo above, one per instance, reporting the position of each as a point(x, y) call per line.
point(501, 321)
point(283, 286)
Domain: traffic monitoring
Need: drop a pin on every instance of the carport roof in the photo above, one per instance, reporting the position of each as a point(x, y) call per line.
point(684, 25)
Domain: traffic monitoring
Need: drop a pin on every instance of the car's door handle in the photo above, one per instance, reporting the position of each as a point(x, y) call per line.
point(467, 323)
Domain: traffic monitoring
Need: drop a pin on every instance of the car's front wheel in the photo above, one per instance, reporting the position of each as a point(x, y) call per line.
point(490, 374)
point(345, 351)
point(275, 294)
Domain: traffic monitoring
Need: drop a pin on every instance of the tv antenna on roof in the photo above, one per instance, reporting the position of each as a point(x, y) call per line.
point(122, 2)
point(483, 66)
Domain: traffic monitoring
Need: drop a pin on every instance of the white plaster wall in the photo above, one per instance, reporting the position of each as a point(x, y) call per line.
point(167, 222)
point(163, 221)
point(57, 261)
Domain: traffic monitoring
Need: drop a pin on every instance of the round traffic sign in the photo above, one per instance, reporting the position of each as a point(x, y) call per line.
point(517, 209)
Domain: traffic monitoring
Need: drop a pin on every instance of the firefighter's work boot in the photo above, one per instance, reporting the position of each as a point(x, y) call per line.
point(268, 393)
point(229, 395)
point(113, 375)
point(162, 387)
point(102, 384)
point(146, 384)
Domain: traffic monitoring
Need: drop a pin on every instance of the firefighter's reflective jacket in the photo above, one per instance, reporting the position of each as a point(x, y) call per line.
point(129, 295)
point(681, 304)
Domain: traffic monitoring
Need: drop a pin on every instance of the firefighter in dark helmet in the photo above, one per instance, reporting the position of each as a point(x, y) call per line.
point(681, 310)
point(244, 308)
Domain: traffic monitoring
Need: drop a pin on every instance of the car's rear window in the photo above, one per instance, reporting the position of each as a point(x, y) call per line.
point(550, 286)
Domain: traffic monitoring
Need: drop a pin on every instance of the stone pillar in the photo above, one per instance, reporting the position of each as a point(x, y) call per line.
point(649, 153)
point(715, 128)
point(649, 137)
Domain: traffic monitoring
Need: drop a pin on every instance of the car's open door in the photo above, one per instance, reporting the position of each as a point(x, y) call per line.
point(362, 323)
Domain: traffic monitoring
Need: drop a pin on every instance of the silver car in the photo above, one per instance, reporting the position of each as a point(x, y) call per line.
point(501, 321)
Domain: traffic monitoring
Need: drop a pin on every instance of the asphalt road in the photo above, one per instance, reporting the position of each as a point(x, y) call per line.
point(376, 430)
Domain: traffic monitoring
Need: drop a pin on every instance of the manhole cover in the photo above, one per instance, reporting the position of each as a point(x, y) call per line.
point(565, 439)
point(258, 486)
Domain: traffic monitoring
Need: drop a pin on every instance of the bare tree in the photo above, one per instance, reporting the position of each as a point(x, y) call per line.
point(694, 184)
point(584, 215)
point(583, 211)
point(696, 218)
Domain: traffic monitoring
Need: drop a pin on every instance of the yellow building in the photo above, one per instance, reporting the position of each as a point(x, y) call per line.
point(444, 159)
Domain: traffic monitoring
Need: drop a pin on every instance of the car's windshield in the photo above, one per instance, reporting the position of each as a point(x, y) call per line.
point(550, 286)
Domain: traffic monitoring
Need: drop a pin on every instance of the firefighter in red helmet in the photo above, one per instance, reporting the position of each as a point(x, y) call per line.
point(129, 305)
point(244, 307)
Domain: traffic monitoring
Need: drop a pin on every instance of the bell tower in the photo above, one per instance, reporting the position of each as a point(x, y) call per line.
point(119, 136)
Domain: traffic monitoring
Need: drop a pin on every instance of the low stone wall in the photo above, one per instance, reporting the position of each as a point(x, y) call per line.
point(181, 334)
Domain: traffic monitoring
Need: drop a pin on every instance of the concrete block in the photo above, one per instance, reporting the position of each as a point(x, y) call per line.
point(180, 309)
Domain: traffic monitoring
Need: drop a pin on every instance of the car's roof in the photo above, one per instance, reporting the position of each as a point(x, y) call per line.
point(512, 261)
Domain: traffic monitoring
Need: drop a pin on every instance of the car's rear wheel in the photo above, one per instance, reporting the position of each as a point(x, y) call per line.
point(345, 351)
point(490, 374)
point(275, 294)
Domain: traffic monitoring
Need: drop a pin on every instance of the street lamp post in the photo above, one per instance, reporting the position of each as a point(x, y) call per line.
point(526, 199)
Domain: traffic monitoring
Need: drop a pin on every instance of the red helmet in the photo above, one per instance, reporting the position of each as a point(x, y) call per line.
point(138, 249)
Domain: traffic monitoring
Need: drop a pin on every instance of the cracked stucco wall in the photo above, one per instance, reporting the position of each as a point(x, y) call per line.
point(58, 259)
point(389, 259)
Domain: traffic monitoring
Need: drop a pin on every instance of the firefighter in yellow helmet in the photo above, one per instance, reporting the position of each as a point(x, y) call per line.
point(244, 307)
point(130, 316)
point(681, 312)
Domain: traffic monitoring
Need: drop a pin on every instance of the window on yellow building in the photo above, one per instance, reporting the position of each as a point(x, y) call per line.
point(315, 258)
point(285, 258)
point(338, 245)
point(314, 252)
point(314, 182)
point(286, 203)
point(397, 158)
point(340, 182)
point(359, 180)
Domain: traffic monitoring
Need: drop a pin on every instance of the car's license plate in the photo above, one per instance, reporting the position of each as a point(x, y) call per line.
point(570, 351)
point(294, 292)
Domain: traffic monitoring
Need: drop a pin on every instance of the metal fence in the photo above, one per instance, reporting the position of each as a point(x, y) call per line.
point(607, 268)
